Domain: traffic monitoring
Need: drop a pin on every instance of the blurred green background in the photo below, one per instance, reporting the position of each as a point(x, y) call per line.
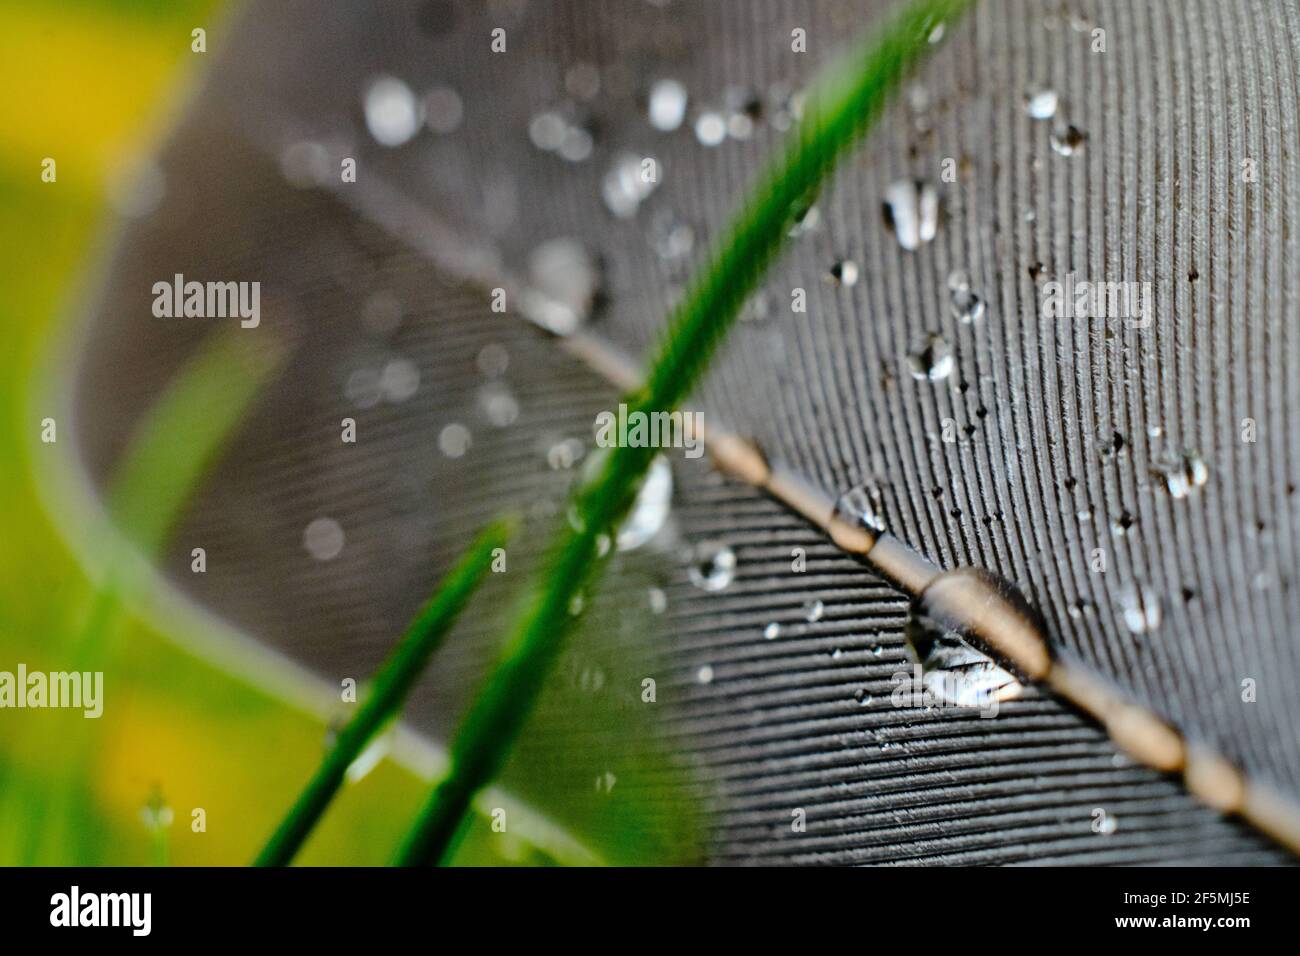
point(95, 84)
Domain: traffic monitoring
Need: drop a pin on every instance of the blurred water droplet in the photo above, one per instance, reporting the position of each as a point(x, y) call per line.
point(564, 454)
point(454, 440)
point(713, 566)
point(1068, 140)
point(626, 185)
point(1040, 103)
point(582, 80)
point(577, 604)
point(323, 539)
point(565, 281)
point(667, 105)
point(933, 361)
point(547, 130)
point(382, 311)
point(705, 674)
point(671, 238)
point(499, 404)
point(392, 113)
point(813, 611)
point(911, 211)
point(399, 380)
point(772, 631)
point(710, 128)
point(966, 305)
point(954, 671)
point(1142, 609)
point(363, 389)
point(493, 360)
point(657, 599)
point(862, 506)
point(1181, 475)
point(305, 164)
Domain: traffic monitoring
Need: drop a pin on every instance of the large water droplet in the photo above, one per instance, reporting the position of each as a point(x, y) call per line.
point(966, 305)
point(844, 273)
point(323, 539)
point(954, 672)
point(713, 566)
point(710, 128)
point(933, 361)
point(1181, 475)
point(392, 113)
point(650, 510)
point(667, 105)
point(911, 211)
point(1142, 609)
point(566, 281)
point(705, 674)
point(1040, 103)
point(772, 631)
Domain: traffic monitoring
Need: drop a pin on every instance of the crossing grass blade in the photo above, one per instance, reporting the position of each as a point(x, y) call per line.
point(387, 692)
point(838, 111)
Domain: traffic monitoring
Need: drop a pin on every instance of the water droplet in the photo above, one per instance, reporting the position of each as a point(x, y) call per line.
point(932, 362)
point(577, 144)
point(966, 305)
point(936, 35)
point(772, 631)
point(862, 506)
point(577, 604)
point(954, 671)
point(363, 389)
point(626, 185)
point(392, 113)
point(710, 128)
point(1183, 474)
point(323, 539)
point(657, 599)
point(565, 280)
point(564, 454)
point(547, 130)
point(813, 611)
point(1040, 103)
point(911, 211)
point(651, 507)
point(493, 360)
point(671, 238)
point(805, 219)
point(1142, 610)
point(306, 163)
point(443, 109)
point(382, 311)
point(667, 105)
point(498, 404)
point(1107, 824)
point(713, 566)
point(862, 697)
point(705, 674)
point(454, 440)
point(399, 380)
point(1068, 140)
point(844, 273)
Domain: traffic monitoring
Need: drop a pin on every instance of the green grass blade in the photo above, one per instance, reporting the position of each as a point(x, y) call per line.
point(387, 692)
point(840, 108)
